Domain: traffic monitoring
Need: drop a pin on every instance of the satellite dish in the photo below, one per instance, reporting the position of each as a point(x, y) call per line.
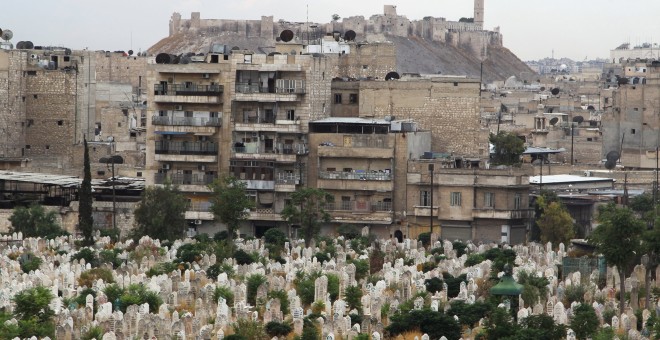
point(235, 48)
point(20, 45)
point(392, 75)
point(554, 121)
point(555, 91)
point(7, 35)
point(286, 35)
point(350, 35)
point(613, 156)
point(28, 45)
point(591, 108)
point(162, 58)
point(130, 52)
point(578, 119)
point(542, 88)
point(609, 165)
point(388, 118)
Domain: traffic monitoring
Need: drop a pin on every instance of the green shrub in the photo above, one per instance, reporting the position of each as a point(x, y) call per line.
point(474, 259)
point(95, 332)
point(278, 329)
point(162, 268)
point(433, 285)
point(88, 277)
point(29, 262)
point(425, 238)
point(460, 247)
point(349, 231)
point(243, 258)
point(225, 293)
point(88, 255)
point(110, 256)
point(253, 283)
point(283, 297)
point(322, 257)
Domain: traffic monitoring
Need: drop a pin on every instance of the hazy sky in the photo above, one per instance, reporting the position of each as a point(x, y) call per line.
point(532, 29)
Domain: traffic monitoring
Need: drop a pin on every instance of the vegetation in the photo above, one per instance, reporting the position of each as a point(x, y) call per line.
point(278, 329)
point(508, 148)
point(585, 322)
point(555, 224)
point(29, 262)
point(306, 209)
point(85, 219)
point(34, 221)
point(349, 231)
point(230, 204)
point(618, 238)
point(35, 318)
point(353, 297)
point(249, 330)
point(535, 287)
point(253, 283)
point(435, 324)
point(160, 213)
point(88, 277)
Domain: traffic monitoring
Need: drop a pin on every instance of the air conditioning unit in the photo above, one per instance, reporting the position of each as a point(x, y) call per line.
point(202, 167)
point(255, 135)
point(206, 76)
point(178, 107)
point(198, 222)
point(166, 166)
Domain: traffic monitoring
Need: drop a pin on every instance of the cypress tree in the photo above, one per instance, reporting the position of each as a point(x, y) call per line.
point(85, 219)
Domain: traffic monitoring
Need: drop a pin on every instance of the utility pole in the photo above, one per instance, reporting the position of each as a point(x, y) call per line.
point(431, 212)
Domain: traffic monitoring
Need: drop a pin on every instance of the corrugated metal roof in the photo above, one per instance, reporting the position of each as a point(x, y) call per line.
point(33, 177)
point(558, 179)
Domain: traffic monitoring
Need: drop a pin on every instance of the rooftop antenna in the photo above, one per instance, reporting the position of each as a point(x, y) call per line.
point(307, 24)
point(7, 35)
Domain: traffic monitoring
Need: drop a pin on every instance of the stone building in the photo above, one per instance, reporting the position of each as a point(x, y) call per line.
point(480, 205)
point(57, 97)
point(446, 106)
point(360, 162)
point(631, 126)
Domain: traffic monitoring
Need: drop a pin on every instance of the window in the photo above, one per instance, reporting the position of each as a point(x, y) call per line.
point(290, 114)
point(337, 98)
point(353, 98)
point(455, 84)
point(47, 147)
point(425, 198)
point(455, 199)
point(489, 200)
point(517, 201)
point(60, 122)
point(632, 131)
point(139, 174)
point(100, 173)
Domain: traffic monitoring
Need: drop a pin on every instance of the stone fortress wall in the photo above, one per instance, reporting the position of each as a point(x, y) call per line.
point(465, 34)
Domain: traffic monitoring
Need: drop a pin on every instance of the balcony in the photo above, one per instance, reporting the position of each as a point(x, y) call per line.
point(503, 214)
point(185, 179)
point(282, 153)
point(199, 211)
point(285, 90)
point(359, 206)
point(265, 215)
point(191, 152)
point(425, 211)
point(185, 121)
point(186, 148)
point(286, 182)
point(361, 176)
point(266, 123)
point(188, 93)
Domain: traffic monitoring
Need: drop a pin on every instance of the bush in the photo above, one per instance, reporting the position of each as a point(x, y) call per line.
point(453, 283)
point(361, 269)
point(433, 285)
point(243, 258)
point(253, 283)
point(278, 329)
point(88, 277)
point(213, 271)
point(425, 238)
point(88, 255)
point(585, 322)
point(113, 292)
point(349, 231)
point(428, 266)
point(283, 297)
point(460, 247)
point(162, 268)
point(29, 262)
point(225, 293)
point(353, 297)
point(574, 293)
point(322, 257)
point(468, 314)
point(435, 324)
point(474, 259)
point(137, 295)
point(95, 332)
point(110, 256)
point(333, 286)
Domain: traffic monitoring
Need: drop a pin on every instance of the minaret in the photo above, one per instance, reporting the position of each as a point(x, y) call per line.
point(479, 13)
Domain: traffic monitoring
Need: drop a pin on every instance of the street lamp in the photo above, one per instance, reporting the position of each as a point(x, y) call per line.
point(110, 162)
point(431, 214)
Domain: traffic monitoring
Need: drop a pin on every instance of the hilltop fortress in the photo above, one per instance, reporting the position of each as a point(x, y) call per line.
point(466, 34)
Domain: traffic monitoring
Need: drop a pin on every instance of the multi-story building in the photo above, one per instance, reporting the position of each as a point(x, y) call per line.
point(483, 205)
point(631, 126)
point(361, 163)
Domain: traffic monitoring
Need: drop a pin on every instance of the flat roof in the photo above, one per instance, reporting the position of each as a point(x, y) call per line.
point(537, 150)
point(33, 177)
point(567, 179)
point(351, 120)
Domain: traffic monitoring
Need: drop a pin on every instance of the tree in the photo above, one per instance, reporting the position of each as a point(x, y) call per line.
point(85, 219)
point(161, 213)
point(435, 324)
point(33, 313)
point(508, 148)
point(230, 204)
point(556, 224)
point(618, 238)
point(34, 221)
point(335, 17)
point(353, 297)
point(306, 209)
point(585, 322)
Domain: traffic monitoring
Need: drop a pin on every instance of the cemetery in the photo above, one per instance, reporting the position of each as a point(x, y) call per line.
point(342, 287)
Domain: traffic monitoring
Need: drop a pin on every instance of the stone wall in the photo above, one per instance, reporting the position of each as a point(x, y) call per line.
point(118, 68)
point(449, 108)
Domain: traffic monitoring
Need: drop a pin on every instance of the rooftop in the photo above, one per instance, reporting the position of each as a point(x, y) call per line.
point(567, 179)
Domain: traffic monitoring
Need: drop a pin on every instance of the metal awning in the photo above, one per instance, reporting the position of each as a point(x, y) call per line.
point(170, 133)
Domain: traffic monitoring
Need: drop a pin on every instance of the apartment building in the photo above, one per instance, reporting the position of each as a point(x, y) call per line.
point(483, 205)
point(361, 163)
